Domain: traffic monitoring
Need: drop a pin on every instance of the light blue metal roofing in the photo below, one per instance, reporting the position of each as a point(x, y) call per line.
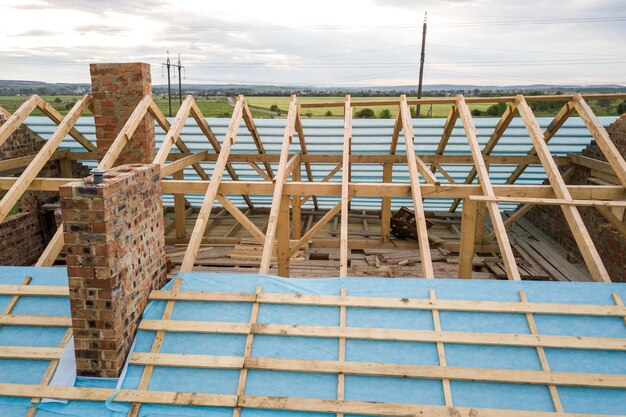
point(325, 136)
point(582, 400)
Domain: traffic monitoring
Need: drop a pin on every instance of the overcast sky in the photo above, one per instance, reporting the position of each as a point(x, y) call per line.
point(321, 42)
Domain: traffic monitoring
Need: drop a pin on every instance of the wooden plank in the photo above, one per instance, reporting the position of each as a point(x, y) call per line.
point(341, 380)
point(17, 118)
point(241, 218)
point(296, 203)
point(345, 196)
point(148, 370)
point(282, 234)
point(601, 136)
point(23, 161)
point(243, 374)
point(304, 151)
point(34, 290)
point(248, 119)
point(506, 251)
point(441, 353)
point(53, 249)
point(260, 171)
point(212, 189)
point(385, 214)
point(30, 173)
point(429, 336)
point(28, 320)
point(549, 201)
point(572, 216)
point(327, 178)
point(543, 359)
point(52, 113)
point(312, 231)
point(613, 219)
point(181, 163)
point(420, 217)
point(281, 178)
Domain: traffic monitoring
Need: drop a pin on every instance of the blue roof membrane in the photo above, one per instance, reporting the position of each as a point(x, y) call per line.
point(361, 388)
point(325, 136)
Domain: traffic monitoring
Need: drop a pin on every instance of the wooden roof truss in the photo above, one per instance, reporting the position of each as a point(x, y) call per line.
point(289, 192)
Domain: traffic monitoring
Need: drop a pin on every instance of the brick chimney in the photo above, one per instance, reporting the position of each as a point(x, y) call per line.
point(116, 91)
point(114, 241)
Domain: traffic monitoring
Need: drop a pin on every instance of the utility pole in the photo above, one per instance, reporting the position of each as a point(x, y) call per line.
point(169, 65)
point(422, 58)
point(180, 88)
point(169, 84)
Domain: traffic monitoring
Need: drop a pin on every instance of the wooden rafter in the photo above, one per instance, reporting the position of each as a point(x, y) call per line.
point(504, 244)
point(44, 154)
point(247, 117)
point(212, 190)
point(304, 151)
point(572, 216)
point(420, 217)
point(499, 130)
point(281, 178)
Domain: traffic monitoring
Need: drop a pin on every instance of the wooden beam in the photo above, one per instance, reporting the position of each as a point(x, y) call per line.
point(247, 117)
point(550, 201)
point(613, 219)
point(524, 209)
point(345, 196)
point(503, 124)
point(296, 203)
point(30, 173)
point(241, 218)
point(327, 178)
point(281, 178)
point(599, 133)
point(125, 134)
point(420, 217)
point(506, 250)
point(385, 213)
point(554, 126)
point(23, 161)
point(173, 133)
point(17, 118)
point(180, 210)
point(206, 129)
point(312, 231)
point(212, 189)
point(53, 249)
point(572, 216)
point(180, 164)
point(52, 113)
point(304, 151)
point(259, 171)
point(448, 127)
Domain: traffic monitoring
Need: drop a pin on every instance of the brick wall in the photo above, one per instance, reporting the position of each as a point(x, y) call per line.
point(116, 91)
point(22, 238)
point(114, 241)
point(610, 243)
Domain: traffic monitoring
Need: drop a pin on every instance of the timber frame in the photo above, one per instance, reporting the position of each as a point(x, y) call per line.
point(283, 235)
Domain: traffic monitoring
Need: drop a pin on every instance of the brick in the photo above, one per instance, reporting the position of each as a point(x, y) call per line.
point(112, 263)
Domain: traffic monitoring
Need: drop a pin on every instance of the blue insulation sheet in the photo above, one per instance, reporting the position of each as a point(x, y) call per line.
point(324, 386)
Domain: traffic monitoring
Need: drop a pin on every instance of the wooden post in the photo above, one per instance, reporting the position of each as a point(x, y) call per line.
point(296, 215)
point(385, 212)
point(468, 240)
point(345, 197)
point(282, 234)
point(180, 210)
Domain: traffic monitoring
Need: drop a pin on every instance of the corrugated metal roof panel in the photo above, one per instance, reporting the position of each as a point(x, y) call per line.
point(325, 136)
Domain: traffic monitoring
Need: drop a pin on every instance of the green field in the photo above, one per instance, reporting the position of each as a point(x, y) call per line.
point(261, 106)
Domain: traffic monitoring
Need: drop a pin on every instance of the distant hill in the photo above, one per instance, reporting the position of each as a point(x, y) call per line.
point(14, 87)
